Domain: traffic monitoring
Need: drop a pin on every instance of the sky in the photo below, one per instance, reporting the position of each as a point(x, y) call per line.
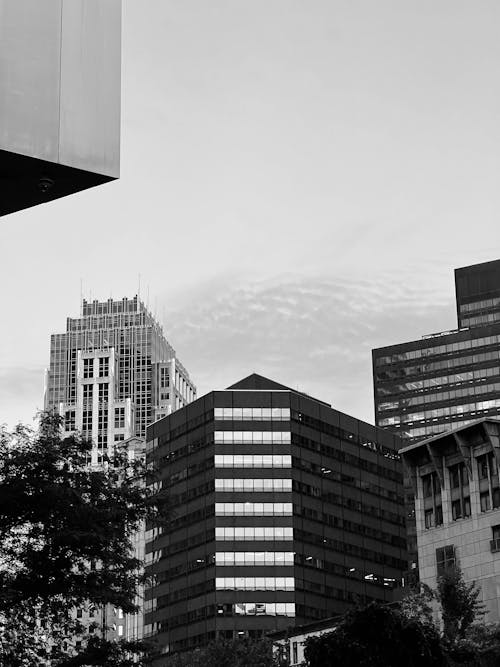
point(299, 179)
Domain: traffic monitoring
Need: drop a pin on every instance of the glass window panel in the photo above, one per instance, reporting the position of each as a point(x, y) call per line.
point(239, 533)
point(266, 414)
point(257, 414)
point(247, 414)
point(260, 583)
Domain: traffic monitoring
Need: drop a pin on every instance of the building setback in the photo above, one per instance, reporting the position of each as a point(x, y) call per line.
point(457, 498)
point(284, 511)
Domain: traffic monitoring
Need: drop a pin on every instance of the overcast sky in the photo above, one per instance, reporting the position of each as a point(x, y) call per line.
point(299, 180)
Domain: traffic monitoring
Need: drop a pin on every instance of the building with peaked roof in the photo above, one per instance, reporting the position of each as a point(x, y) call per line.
point(284, 511)
point(455, 478)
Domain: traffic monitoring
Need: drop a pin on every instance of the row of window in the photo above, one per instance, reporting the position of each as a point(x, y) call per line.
point(252, 437)
point(257, 609)
point(407, 371)
point(253, 509)
point(389, 389)
point(88, 367)
point(487, 318)
point(254, 533)
point(276, 558)
point(252, 461)
point(252, 414)
point(437, 349)
point(451, 410)
point(464, 392)
point(255, 583)
point(479, 305)
point(458, 475)
point(460, 508)
point(253, 485)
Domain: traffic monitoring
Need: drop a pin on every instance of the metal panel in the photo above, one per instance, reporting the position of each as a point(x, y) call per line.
point(30, 32)
point(91, 85)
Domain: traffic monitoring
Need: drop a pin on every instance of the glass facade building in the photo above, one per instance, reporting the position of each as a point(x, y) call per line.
point(284, 511)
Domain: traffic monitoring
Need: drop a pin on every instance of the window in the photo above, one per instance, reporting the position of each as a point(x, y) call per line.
point(252, 437)
point(87, 420)
point(119, 417)
point(252, 461)
point(70, 420)
point(295, 653)
point(429, 518)
point(484, 466)
point(484, 499)
point(257, 609)
point(103, 367)
point(454, 477)
point(253, 509)
point(254, 533)
point(255, 583)
point(236, 558)
point(252, 414)
point(439, 515)
point(430, 485)
point(88, 368)
point(445, 559)
point(103, 392)
point(496, 497)
point(88, 393)
point(253, 485)
point(456, 510)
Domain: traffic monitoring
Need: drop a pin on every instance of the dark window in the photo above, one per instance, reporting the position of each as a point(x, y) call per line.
point(445, 559)
point(466, 506)
point(496, 497)
point(429, 518)
point(485, 501)
point(482, 466)
point(456, 510)
point(454, 476)
point(439, 515)
point(496, 532)
point(427, 485)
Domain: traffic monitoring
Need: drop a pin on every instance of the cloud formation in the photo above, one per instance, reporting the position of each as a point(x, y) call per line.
point(312, 333)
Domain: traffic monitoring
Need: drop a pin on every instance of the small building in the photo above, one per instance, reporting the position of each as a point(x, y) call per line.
point(457, 506)
point(289, 644)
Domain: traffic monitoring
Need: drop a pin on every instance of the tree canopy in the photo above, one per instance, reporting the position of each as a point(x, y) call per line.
point(66, 530)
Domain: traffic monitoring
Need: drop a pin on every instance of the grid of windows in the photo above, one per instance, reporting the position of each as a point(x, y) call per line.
point(252, 414)
point(445, 559)
point(103, 392)
point(235, 558)
point(252, 437)
point(88, 368)
point(119, 417)
point(253, 485)
point(255, 583)
point(253, 509)
point(254, 533)
point(252, 461)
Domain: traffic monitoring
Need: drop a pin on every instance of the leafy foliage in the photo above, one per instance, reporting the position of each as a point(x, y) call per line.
point(230, 653)
point(66, 531)
point(376, 636)
point(459, 604)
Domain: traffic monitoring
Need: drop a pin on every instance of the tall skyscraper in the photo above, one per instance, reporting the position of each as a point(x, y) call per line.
point(284, 511)
point(113, 372)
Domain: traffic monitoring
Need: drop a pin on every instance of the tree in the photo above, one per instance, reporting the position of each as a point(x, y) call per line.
point(228, 653)
point(459, 604)
point(66, 532)
point(376, 636)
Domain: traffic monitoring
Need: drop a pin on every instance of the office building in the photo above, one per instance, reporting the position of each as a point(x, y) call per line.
point(447, 379)
point(457, 502)
point(443, 380)
point(113, 372)
point(284, 511)
point(60, 91)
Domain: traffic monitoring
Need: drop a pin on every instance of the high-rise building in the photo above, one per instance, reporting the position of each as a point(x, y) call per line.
point(284, 511)
point(457, 497)
point(113, 372)
point(446, 379)
point(443, 380)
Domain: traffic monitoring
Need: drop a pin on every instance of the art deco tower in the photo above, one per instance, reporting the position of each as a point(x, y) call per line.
point(113, 372)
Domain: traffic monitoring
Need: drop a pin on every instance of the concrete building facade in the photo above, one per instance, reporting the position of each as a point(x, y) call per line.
point(456, 483)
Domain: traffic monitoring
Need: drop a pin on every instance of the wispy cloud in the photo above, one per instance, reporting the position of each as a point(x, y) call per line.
point(315, 333)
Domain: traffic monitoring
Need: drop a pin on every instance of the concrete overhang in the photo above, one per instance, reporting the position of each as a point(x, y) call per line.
point(60, 98)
